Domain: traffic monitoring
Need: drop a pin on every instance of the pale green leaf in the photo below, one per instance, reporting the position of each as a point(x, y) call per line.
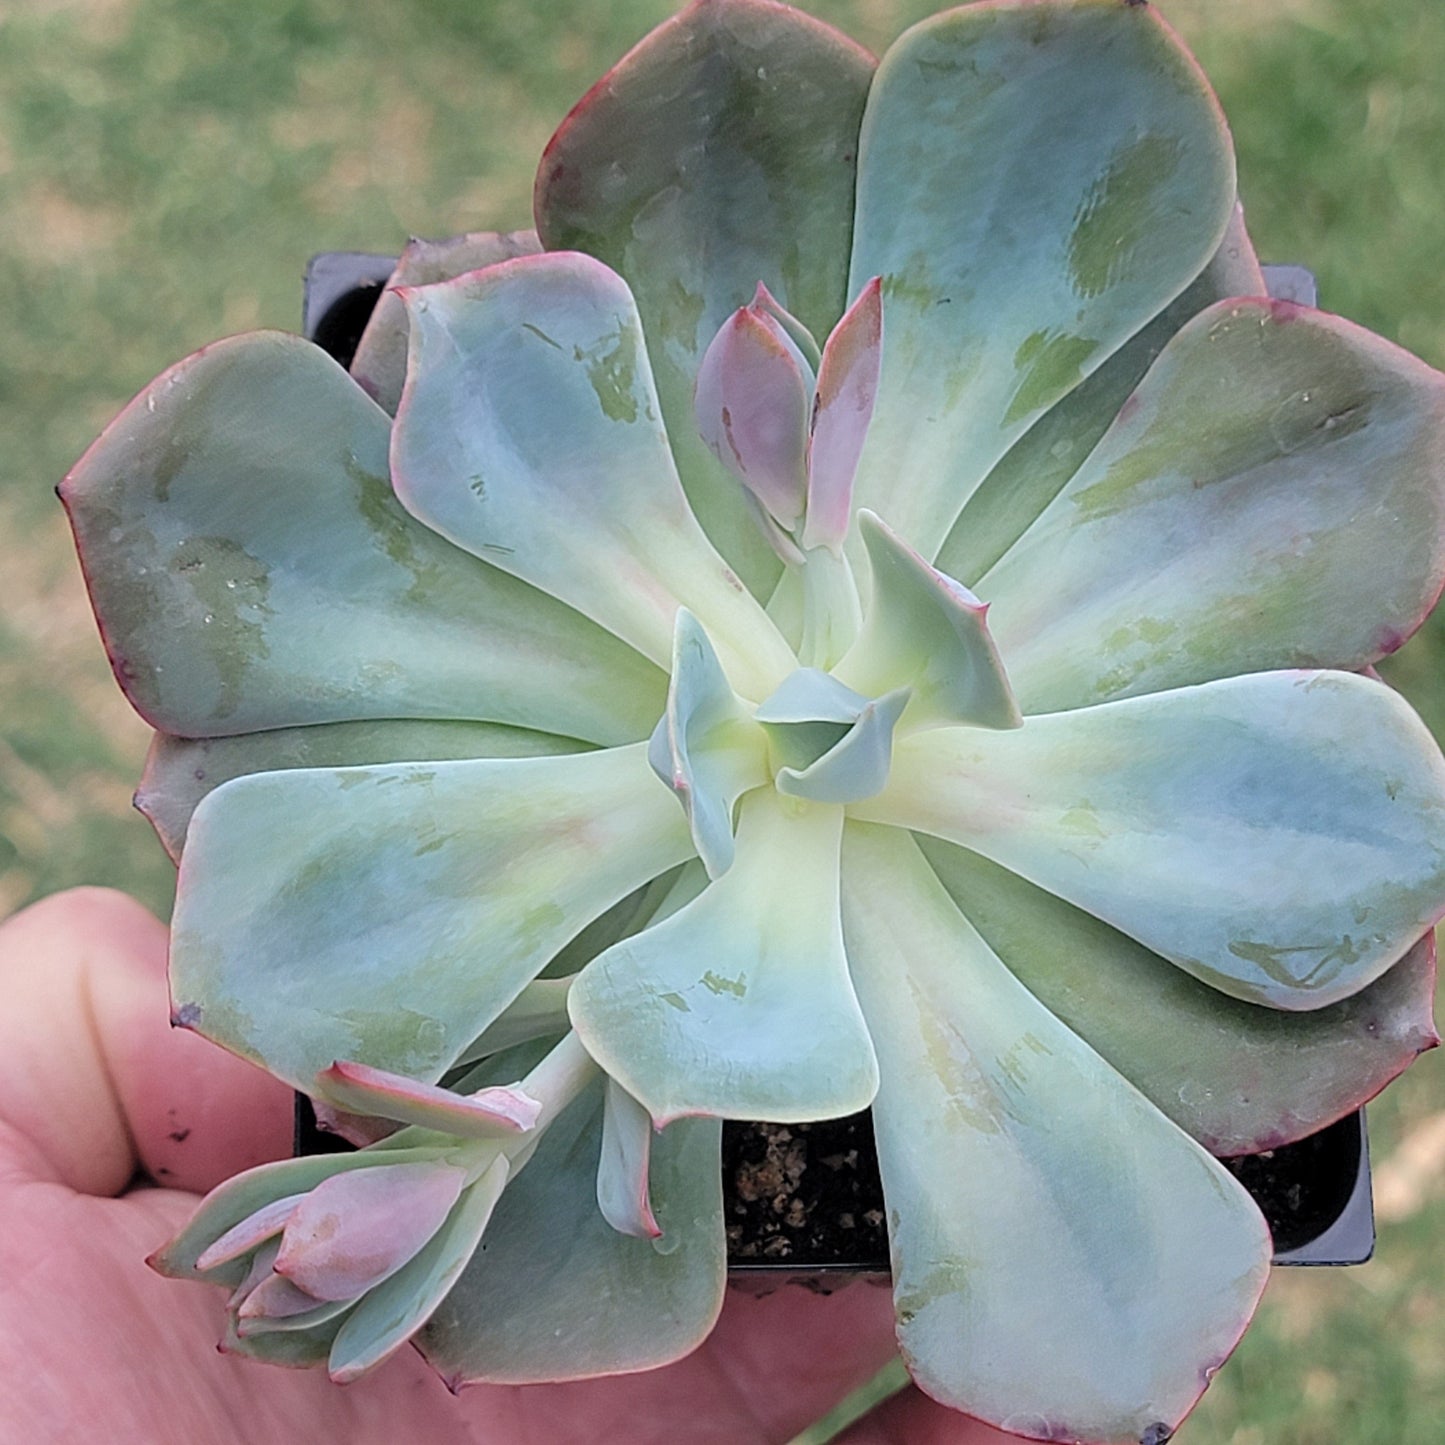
point(251, 569)
point(739, 1004)
point(529, 434)
point(387, 915)
point(1273, 495)
point(1238, 1077)
point(719, 153)
point(1067, 1263)
point(1277, 835)
point(179, 772)
point(1035, 183)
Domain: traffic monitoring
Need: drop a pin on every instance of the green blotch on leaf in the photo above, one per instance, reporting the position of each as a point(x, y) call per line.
point(395, 532)
point(1115, 217)
point(1048, 367)
point(717, 984)
point(676, 1000)
point(612, 371)
point(1083, 819)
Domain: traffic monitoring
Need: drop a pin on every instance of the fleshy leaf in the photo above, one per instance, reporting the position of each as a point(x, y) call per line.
point(1235, 516)
point(276, 1301)
point(1239, 1078)
point(241, 1196)
point(252, 1231)
point(622, 1168)
point(197, 515)
point(1034, 470)
point(538, 1012)
point(719, 153)
point(812, 695)
point(842, 409)
point(179, 772)
point(754, 393)
point(739, 1004)
point(354, 1230)
point(396, 1309)
point(706, 747)
point(1066, 1263)
point(1019, 247)
point(925, 631)
point(513, 1317)
point(492, 1114)
point(296, 1349)
point(379, 366)
point(1275, 835)
point(389, 914)
point(856, 766)
point(529, 434)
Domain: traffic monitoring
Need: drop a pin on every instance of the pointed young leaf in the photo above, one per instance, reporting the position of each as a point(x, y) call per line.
point(396, 1309)
point(197, 515)
point(1019, 247)
point(706, 747)
point(379, 365)
point(294, 1349)
point(529, 434)
point(719, 153)
point(622, 1166)
point(278, 1301)
point(1239, 1078)
point(1066, 1263)
point(739, 1004)
point(856, 766)
point(513, 1317)
point(811, 695)
point(754, 393)
point(1033, 471)
point(1275, 835)
point(254, 1230)
point(847, 389)
point(1235, 517)
point(354, 1230)
point(179, 772)
point(398, 910)
point(496, 1113)
point(241, 1196)
point(925, 631)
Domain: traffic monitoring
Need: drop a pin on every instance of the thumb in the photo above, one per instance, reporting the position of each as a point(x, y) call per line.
point(95, 1086)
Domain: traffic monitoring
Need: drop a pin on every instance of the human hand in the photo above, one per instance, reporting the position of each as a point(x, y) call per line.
point(111, 1123)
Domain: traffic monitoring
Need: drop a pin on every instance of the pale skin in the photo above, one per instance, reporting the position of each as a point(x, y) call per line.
point(112, 1124)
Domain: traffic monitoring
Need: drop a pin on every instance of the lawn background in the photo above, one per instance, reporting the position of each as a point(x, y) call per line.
point(167, 166)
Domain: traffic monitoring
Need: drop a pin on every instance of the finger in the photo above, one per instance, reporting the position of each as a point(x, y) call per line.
point(772, 1366)
point(911, 1418)
point(796, 1353)
point(94, 1083)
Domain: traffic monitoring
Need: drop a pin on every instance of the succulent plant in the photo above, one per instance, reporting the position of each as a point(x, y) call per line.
point(866, 607)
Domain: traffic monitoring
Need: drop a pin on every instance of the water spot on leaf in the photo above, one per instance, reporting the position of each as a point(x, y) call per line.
point(233, 588)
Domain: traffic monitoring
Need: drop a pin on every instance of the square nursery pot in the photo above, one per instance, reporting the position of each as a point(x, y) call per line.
point(803, 1202)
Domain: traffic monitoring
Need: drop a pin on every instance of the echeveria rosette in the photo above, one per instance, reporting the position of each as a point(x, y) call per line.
point(454, 676)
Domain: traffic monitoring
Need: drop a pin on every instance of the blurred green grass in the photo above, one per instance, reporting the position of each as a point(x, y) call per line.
point(167, 166)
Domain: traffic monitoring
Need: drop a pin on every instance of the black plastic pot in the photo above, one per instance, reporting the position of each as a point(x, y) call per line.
point(804, 1201)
